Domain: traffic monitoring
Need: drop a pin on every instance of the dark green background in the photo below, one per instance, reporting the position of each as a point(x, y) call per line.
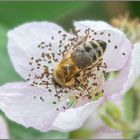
point(63, 13)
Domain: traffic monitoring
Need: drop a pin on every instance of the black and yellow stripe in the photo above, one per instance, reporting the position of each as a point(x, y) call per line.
point(88, 53)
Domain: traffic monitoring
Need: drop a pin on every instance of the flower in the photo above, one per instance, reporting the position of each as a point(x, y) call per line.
point(35, 49)
point(3, 129)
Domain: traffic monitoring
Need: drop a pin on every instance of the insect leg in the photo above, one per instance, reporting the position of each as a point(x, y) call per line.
point(78, 83)
point(82, 40)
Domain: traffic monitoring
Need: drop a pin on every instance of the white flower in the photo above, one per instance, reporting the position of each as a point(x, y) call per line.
point(35, 48)
point(3, 129)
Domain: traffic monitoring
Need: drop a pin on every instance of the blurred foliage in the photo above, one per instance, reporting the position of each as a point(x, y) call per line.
point(124, 117)
point(81, 133)
point(5, 65)
point(130, 26)
point(112, 116)
point(64, 13)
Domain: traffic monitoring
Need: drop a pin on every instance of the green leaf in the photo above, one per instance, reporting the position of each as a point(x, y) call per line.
point(107, 120)
point(7, 73)
point(132, 105)
point(35, 10)
point(113, 111)
point(111, 116)
point(106, 117)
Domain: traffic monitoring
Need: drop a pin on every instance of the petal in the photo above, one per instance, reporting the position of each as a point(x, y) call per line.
point(118, 46)
point(93, 122)
point(116, 85)
point(29, 106)
point(30, 42)
point(127, 76)
point(3, 129)
point(134, 71)
point(95, 25)
point(74, 118)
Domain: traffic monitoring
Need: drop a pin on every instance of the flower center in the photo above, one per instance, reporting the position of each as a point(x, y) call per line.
point(89, 79)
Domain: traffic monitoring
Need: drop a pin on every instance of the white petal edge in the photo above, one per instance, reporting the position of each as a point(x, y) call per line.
point(134, 72)
point(4, 134)
point(115, 86)
point(73, 119)
point(18, 103)
point(97, 25)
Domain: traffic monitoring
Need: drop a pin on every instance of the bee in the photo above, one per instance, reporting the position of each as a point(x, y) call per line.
point(83, 55)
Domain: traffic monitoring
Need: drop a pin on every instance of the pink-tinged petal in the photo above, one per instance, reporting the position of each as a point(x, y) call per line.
point(30, 42)
point(29, 106)
point(73, 119)
point(3, 129)
point(116, 85)
point(93, 122)
point(116, 99)
point(97, 25)
point(134, 71)
point(127, 75)
point(118, 46)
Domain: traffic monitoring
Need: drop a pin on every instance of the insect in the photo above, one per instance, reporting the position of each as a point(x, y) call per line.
point(84, 55)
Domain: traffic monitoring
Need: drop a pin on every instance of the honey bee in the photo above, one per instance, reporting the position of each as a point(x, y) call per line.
point(83, 55)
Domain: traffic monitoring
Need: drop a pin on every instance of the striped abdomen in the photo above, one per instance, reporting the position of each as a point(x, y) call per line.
point(88, 53)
